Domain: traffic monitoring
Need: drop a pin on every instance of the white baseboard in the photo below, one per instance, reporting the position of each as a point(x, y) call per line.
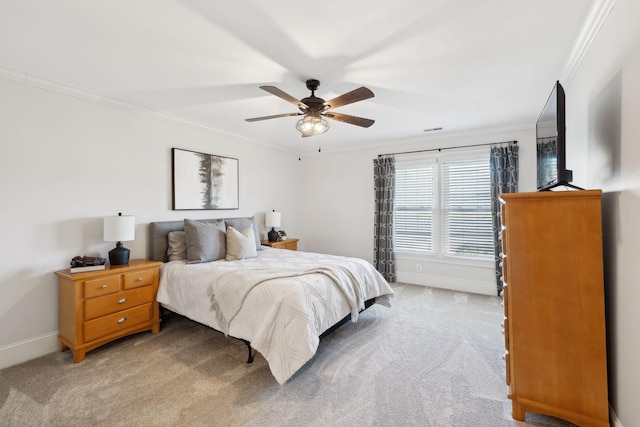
point(16, 353)
point(615, 422)
point(460, 285)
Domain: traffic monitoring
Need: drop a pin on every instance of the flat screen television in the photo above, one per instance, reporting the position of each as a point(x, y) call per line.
point(551, 143)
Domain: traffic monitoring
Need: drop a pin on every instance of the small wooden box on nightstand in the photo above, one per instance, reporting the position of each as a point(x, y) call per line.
point(291, 244)
point(97, 307)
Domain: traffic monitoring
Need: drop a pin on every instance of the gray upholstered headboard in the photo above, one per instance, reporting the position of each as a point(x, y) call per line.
point(159, 231)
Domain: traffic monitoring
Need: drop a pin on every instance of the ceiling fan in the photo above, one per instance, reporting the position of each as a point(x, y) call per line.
point(315, 109)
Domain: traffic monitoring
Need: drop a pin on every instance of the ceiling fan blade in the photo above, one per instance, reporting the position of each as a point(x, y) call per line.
point(352, 120)
point(355, 95)
point(257, 119)
point(281, 94)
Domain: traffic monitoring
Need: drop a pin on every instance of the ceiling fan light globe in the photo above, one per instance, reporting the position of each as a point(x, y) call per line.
point(311, 125)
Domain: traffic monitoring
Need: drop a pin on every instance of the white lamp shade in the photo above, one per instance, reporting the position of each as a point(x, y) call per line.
point(119, 228)
point(272, 219)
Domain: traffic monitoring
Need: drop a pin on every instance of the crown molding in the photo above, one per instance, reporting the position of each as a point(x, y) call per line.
point(34, 80)
point(596, 18)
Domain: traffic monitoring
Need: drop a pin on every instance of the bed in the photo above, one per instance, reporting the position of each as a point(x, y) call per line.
point(279, 302)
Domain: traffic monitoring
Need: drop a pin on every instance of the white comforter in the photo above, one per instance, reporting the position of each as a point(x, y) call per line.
point(281, 307)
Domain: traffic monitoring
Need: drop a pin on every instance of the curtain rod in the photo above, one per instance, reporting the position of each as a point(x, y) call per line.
point(448, 148)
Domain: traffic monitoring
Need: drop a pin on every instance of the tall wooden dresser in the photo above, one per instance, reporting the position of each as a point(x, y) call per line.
point(554, 305)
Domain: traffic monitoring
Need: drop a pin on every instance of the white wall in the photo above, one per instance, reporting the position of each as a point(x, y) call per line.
point(339, 205)
point(66, 162)
point(603, 108)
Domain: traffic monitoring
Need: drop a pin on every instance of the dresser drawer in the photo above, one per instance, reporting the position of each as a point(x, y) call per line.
point(116, 322)
point(506, 333)
point(102, 286)
point(505, 300)
point(503, 241)
point(507, 358)
point(96, 307)
point(505, 270)
point(139, 278)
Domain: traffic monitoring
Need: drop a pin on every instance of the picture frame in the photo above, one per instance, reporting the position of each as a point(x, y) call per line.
point(204, 181)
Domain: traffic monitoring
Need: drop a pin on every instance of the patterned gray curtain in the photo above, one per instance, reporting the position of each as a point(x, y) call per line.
point(384, 259)
point(504, 179)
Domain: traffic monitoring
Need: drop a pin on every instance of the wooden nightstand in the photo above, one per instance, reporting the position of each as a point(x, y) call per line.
point(291, 244)
point(101, 306)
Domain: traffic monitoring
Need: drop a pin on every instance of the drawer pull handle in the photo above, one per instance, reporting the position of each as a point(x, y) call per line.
point(139, 279)
point(103, 287)
point(122, 300)
point(122, 320)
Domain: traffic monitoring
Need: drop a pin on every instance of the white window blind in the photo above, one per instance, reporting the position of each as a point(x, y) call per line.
point(414, 197)
point(466, 208)
point(443, 206)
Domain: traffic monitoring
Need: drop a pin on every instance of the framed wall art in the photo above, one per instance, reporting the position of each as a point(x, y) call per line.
point(204, 181)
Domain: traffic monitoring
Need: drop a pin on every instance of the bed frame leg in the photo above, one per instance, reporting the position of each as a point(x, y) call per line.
point(248, 344)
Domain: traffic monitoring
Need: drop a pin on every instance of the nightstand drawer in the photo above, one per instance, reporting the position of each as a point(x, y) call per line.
point(103, 286)
point(138, 278)
point(114, 323)
point(292, 245)
point(97, 307)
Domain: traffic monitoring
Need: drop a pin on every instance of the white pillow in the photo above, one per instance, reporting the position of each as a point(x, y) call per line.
point(241, 224)
point(240, 244)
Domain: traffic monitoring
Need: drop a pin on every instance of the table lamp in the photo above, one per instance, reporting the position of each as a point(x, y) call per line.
point(273, 220)
point(118, 229)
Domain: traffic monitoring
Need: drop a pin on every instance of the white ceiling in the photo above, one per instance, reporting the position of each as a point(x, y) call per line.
point(463, 65)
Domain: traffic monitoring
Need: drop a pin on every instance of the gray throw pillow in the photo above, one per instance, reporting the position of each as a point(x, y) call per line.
point(206, 241)
point(177, 246)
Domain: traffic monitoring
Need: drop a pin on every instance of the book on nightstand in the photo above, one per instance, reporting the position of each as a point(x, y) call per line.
point(87, 268)
point(86, 263)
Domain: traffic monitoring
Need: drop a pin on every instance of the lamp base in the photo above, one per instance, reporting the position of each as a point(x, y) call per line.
point(119, 255)
point(273, 235)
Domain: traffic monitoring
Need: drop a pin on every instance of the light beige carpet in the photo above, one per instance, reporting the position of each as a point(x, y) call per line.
point(433, 359)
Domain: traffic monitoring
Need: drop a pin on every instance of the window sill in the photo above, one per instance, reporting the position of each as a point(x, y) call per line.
point(472, 262)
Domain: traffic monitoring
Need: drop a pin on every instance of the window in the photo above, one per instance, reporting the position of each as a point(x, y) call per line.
point(414, 207)
point(443, 206)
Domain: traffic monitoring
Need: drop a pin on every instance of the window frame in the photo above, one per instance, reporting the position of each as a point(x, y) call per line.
point(438, 158)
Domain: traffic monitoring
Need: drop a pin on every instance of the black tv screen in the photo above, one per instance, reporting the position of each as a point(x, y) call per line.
point(551, 143)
